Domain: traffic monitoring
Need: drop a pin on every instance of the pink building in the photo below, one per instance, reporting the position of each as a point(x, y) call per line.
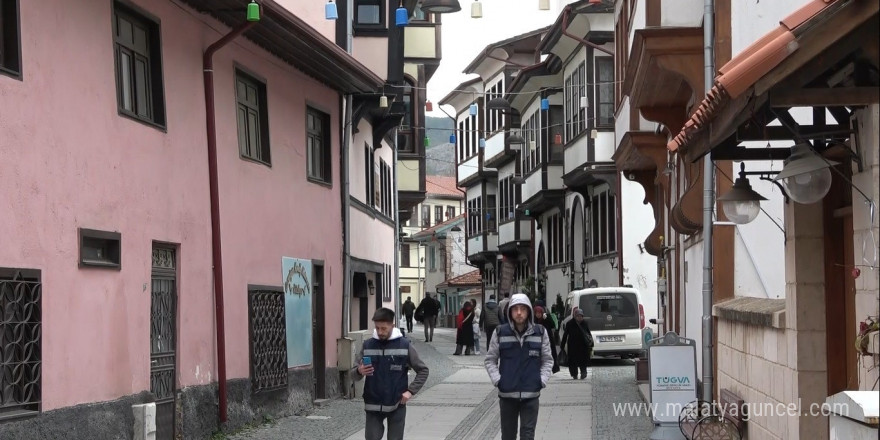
point(107, 291)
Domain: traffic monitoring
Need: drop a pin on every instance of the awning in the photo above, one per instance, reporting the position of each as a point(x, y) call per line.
point(744, 82)
point(288, 37)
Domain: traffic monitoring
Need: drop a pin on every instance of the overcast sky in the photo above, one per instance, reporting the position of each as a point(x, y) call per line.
point(465, 37)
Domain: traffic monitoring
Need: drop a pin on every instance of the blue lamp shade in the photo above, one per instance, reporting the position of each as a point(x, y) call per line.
point(473, 110)
point(482, 143)
point(545, 104)
point(452, 138)
point(401, 17)
point(330, 11)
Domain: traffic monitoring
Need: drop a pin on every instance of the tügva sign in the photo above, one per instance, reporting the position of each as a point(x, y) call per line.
point(664, 380)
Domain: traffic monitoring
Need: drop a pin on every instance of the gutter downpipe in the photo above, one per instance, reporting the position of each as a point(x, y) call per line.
point(395, 282)
point(216, 251)
point(565, 32)
point(348, 101)
point(708, 210)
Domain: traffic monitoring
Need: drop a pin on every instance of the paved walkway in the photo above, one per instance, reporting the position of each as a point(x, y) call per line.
point(459, 403)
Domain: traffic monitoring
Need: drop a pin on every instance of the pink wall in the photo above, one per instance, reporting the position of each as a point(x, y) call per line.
point(70, 161)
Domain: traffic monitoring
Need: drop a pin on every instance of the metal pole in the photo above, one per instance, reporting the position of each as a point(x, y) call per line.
point(708, 209)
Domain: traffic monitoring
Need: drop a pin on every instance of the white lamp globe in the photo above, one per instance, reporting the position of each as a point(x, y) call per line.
point(741, 211)
point(808, 187)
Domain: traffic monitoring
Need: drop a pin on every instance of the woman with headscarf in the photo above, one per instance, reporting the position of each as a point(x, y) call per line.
point(464, 336)
point(541, 317)
point(580, 344)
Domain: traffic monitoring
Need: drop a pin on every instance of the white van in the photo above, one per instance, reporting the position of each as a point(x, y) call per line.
point(616, 318)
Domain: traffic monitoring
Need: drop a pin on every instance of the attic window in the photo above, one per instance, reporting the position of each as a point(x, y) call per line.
point(369, 17)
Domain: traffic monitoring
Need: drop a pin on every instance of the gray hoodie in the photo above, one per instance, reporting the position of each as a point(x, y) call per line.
point(492, 356)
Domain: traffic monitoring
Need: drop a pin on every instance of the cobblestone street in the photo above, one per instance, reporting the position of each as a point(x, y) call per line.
point(458, 402)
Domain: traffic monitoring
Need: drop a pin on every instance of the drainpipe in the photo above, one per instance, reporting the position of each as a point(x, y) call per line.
point(217, 254)
point(565, 32)
point(708, 209)
point(347, 101)
point(395, 208)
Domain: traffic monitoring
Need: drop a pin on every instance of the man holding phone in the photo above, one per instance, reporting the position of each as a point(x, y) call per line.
point(384, 361)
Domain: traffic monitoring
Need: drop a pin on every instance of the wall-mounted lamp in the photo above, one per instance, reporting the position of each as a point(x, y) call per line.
point(441, 6)
point(371, 287)
point(455, 229)
point(806, 176)
point(564, 269)
point(741, 204)
point(613, 261)
point(583, 269)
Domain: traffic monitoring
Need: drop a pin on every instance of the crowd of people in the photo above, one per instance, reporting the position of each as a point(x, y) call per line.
point(521, 355)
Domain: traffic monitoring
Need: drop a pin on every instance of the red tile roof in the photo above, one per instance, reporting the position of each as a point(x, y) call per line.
point(442, 186)
point(472, 278)
point(427, 232)
point(740, 73)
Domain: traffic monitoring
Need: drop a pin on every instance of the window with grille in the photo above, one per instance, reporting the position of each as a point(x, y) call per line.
point(494, 118)
point(531, 153)
point(136, 40)
point(490, 213)
point(474, 216)
point(555, 241)
point(450, 212)
point(509, 194)
point(604, 91)
point(268, 354)
point(575, 114)
point(21, 316)
point(426, 216)
point(603, 234)
point(318, 145)
point(438, 214)
point(253, 118)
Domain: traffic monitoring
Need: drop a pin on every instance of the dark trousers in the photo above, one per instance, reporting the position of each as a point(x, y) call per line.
point(575, 364)
point(490, 331)
point(518, 412)
point(409, 323)
point(429, 322)
point(375, 427)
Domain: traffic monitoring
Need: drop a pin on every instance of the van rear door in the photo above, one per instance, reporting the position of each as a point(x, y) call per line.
point(611, 311)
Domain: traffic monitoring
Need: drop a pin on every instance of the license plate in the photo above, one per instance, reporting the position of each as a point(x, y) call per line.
point(615, 338)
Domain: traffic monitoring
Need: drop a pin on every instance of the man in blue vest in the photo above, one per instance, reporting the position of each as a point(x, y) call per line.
point(519, 363)
point(385, 360)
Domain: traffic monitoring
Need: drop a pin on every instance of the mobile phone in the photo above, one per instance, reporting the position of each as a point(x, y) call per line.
point(367, 360)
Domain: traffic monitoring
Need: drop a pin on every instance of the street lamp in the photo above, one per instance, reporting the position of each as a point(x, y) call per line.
point(441, 6)
point(741, 204)
point(584, 272)
point(806, 175)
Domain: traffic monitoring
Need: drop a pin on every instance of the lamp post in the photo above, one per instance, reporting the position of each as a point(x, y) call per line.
point(583, 273)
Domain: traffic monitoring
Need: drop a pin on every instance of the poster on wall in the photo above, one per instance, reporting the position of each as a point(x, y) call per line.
point(296, 275)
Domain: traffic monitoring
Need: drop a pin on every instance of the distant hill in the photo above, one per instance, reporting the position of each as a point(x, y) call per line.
point(440, 154)
point(437, 130)
point(440, 160)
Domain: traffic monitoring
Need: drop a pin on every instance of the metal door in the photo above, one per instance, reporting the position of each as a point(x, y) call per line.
point(163, 341)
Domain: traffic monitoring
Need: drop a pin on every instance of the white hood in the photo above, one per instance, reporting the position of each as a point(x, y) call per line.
point(395, 333)
point(520, 298)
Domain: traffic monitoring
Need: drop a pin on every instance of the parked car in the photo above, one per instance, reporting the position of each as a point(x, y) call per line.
point(616, 318)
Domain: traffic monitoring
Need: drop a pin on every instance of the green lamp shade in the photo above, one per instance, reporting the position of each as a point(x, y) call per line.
point(427, 141)
point(253, 11)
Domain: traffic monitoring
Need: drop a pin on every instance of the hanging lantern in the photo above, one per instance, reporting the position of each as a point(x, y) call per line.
point(473, 110)
point(557, 139)
point(429, 106)
point(545, 104)
point(383, 102)
point(585, 102)
point(401, 16)
point(427, 141)
point(452, 138)
point(482, 143)
point(330, 11)
point(476, 9)
point(544, 5)
point(253, 11)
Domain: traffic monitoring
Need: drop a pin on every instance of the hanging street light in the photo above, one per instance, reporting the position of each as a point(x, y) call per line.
point(441, 6)
point(741, 204)
point(806, 176)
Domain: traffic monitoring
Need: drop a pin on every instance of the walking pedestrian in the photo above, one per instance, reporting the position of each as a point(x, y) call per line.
point(489, 319)
point(428, 308)
point(519, 364)
point(543, 318)
point(385, 360)
point(408, 309)
point(478, 314)
point(464, 334)
point(580, 344)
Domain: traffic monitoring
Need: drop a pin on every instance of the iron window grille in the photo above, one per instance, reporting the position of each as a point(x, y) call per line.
point(137, 49)
point(268, 339)
point(21, 343)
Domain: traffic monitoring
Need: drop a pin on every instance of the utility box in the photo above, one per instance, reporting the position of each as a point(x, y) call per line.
point(346, 353)
point(854, 415)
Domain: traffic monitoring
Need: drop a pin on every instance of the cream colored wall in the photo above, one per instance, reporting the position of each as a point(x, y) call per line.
point(419, 42)
point(407, 175)
point(753, 363)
